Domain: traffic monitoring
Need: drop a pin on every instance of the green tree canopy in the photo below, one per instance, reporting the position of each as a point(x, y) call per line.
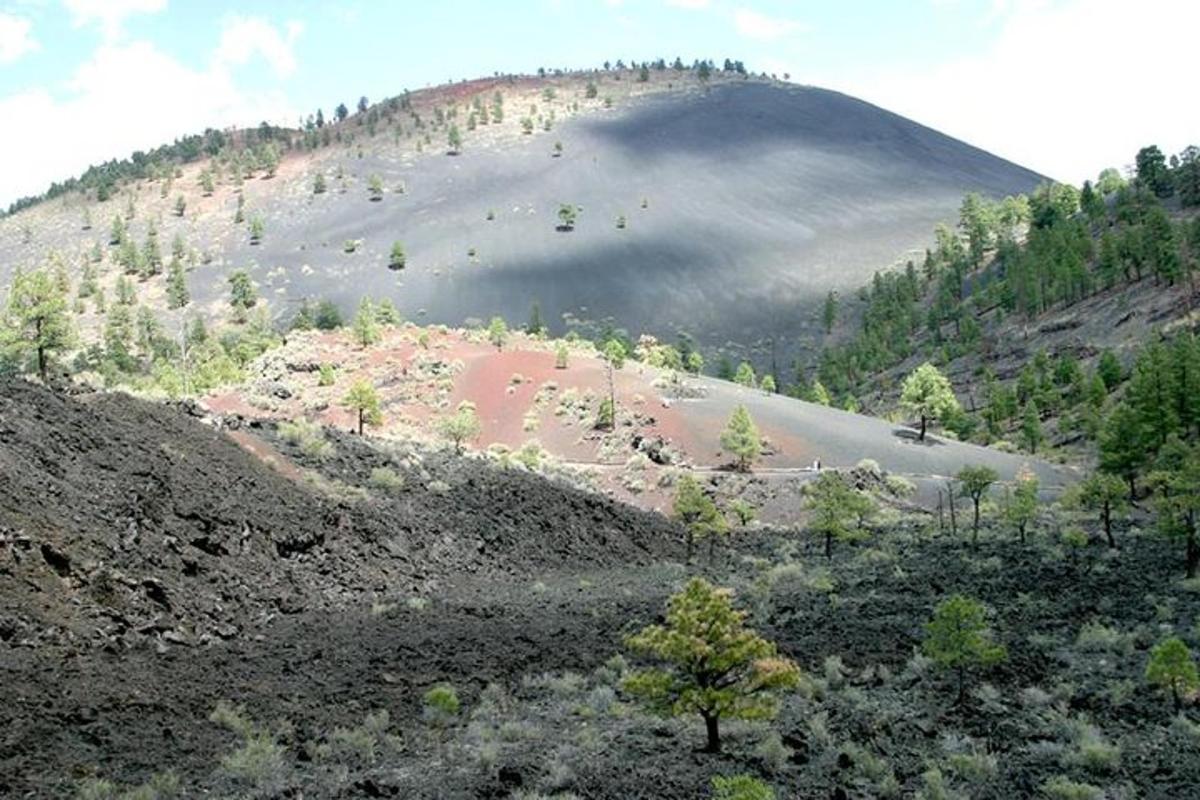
point(928, 393)
point(974, 482)
point(36, 322)
point(1107, 495)
point(363, 400)
point(461, 426)
point(242, 294)
point(1021, 506)
point(498, 332)
point(741, 438)
point(711, 664)
point(957, 638)
point(1172, 668)
point(836, 508)
point(365, 326)
point(698, 514)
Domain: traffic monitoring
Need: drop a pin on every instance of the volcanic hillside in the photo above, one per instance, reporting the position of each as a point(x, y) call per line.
point(743, 202)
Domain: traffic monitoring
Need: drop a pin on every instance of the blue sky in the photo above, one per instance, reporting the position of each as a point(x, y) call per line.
point(1031, 80)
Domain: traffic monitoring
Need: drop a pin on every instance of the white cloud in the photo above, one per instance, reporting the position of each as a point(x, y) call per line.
point(15, 38)
point(244, 37)
point(1065, 88)
point(754, 25)
point(131, 96)
point(693, 5)
point(110, 14)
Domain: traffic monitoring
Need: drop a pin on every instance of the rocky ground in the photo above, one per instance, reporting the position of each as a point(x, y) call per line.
point(152, 570)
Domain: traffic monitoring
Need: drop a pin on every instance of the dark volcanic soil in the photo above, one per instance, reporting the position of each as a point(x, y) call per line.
point(117, 675)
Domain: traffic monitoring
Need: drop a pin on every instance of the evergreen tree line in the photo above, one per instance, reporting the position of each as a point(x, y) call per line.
point(1077, 242)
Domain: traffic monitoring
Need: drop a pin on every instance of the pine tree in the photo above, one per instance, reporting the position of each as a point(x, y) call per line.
point(498, 332)
point(744, 375)
point(712, 665)
point(613, 353)
point(387, 314)
point(1107, 495)
point(242, 294)
point(741, 438)
point(365, 326)
point(1171, 667)
point(836, 507)
point(829, 313)
point(177, 291)
point(363, 400)
point(1021, 504)
point(926, 392)
point(1176, 480)
point(536, 325)
point(461, 426)
point(397, 259)
point(1121, 451)
point(1031, 427)
point(698, 514)
point(1152, 395)
point(36, 320)
point(975, 481)
point(957, 638)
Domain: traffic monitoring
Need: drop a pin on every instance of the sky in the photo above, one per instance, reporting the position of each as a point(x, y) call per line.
point(1065, 87)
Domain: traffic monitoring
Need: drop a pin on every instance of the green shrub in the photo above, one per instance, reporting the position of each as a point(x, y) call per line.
point(387, 480)
point(441, 704)
point(1062, 788)
point(740, 787)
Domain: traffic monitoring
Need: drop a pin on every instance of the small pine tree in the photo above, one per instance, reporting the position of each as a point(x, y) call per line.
point(829, 313)
point(36, 322)
point(242, 294)
point(743, 512)
point(257, 228)
point(397, 259)
point(1021, 507)
point(741, 438)
point(974, 482)
point(698, 514)
point(498, 332)
point(957, 638)
point(461, 426)
point(319, 186)
point(1107, 495)
point(387, 314)
point(926, 392)
point(567, 214)
point(177, 291)
point(454, 140)
point(180, 206)
point(560, 356)
point(1172, 668)
point(712, 665)
point(1031, 427)
point(836, 508)
point(744, 375)
point(363, 400)
point(375, 188)
point(365, 326)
